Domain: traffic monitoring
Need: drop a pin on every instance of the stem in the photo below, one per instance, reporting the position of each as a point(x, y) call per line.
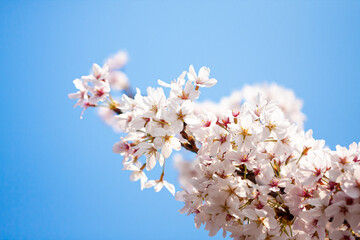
point(280, 197)
point(162, 173)
point(297, 162)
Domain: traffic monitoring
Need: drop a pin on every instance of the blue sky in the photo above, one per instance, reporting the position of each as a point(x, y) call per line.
point(58, 176)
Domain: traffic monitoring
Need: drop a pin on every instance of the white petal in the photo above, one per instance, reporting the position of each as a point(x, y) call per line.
point(79, 84)
point(150, 162)
point(166, 150)
point(175, 143)
point(192, 70)
point(210, 82)
point(134, 176)
point(96, 69)
point(161, 159)
point(332, 210)
point(250, 214)
point(149, 184)
point(170, 187)
point(159, 186)
point(163, 84)
point(204, 73)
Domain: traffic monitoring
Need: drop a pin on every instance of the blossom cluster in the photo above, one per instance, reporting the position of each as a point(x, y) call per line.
point(256, 174)
point(269, 181)
point(284, 98)
point(96, 87)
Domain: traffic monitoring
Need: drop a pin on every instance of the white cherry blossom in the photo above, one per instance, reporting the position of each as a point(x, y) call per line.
point(255, 173)
point(159, 184)
point(201, 80)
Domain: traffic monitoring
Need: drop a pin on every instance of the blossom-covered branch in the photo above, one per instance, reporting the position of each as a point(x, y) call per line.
point(256, 174)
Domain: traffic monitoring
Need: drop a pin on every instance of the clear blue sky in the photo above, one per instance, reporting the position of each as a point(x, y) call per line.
point(58, 176)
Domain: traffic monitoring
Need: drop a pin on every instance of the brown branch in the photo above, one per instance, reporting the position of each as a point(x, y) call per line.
point(191, 144)
point(117, 111)
point(188, 147)
point(249, 175)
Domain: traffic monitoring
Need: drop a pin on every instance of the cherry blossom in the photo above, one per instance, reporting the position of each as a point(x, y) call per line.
point(201, 80)
point(254, 172)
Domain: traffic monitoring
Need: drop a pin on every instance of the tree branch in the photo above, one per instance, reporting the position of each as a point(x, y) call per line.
point(191, 144)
